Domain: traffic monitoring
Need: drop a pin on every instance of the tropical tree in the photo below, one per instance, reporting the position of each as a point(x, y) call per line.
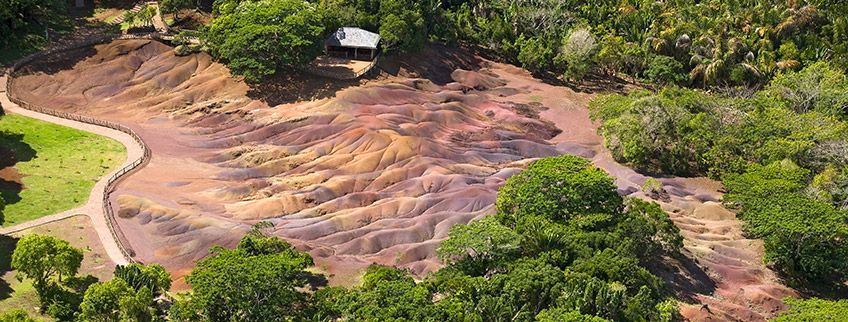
point(154, 277)
point(117, 301)
point(261, 280)
point(42, 257)
point(402, 25)
point(477, 247)
point(257, 37)
point(174, 6)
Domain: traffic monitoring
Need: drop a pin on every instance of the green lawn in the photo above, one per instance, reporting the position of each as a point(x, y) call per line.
point(58, 165)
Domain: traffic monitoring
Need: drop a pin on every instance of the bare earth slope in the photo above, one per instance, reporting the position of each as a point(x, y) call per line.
point(377, 173)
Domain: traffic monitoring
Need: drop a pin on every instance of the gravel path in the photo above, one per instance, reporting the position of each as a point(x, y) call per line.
point(93, 208)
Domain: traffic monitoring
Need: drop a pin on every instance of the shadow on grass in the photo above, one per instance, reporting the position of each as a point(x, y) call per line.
point(12, 150)
point(316, 281)
point(7, 246)
point(80, 283)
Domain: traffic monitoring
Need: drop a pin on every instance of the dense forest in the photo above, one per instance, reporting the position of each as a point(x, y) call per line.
point(688, 43)
point(563, 246)
point(25, 25)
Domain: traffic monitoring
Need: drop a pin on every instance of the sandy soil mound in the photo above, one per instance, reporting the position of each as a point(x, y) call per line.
point(376, 173)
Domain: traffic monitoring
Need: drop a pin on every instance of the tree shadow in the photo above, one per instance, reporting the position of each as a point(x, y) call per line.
point(685, 278)
point(80, 283)
point(7, 246)
point(118, 4)
point(436, 62)
point(828, 289)
point(13, 149)
point(316, 281)
point(289, 86)
point(52, 64)
point(591, 83)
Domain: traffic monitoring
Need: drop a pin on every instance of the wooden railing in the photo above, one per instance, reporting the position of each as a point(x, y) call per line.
point(111, 183)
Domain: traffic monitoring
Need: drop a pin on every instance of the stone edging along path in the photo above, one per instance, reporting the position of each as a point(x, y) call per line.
point(99, 206)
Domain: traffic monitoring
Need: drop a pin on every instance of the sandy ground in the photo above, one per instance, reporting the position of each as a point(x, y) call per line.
point(375, 173)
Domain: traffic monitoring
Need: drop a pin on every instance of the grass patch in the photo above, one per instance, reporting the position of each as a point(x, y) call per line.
point(58, 166)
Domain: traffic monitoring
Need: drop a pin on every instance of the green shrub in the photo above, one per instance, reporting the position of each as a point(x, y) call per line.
point(804, 238)
point(813, 309)
point(558, 188)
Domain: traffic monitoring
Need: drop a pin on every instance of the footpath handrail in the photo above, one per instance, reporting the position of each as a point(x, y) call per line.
point(111, 183)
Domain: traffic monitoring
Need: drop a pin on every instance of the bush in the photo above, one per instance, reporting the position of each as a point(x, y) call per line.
point(804, 238)
point(671, 131)
point(664, 70)
point(534, 55)
point(16, 315)
point(690, 132)
point(576, 53)
point(813, 309)
point(819, 87)
point(580, 189)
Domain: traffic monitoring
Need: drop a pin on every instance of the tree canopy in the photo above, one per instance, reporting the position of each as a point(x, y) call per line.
point(813, 309)
point(260, 280)
point(42, 257)
point(257, 37)
point(23, 21)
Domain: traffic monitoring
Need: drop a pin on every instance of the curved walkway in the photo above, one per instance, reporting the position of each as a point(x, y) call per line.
point(93, 208)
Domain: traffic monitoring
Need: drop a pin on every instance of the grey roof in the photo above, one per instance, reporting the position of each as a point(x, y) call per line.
point(353, 37)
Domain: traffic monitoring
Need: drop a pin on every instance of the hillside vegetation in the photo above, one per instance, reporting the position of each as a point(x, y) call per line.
point(684, 42)
point(782, 153)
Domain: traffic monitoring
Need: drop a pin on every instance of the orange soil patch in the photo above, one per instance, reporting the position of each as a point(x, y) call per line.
point(8, 173)
point(376, 173)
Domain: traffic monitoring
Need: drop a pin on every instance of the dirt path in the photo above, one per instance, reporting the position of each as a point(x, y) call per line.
point(94, 206)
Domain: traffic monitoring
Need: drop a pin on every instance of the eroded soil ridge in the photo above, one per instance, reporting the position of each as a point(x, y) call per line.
point(375, 173)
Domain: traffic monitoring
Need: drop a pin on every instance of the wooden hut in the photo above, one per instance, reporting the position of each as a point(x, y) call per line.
point(352, 43)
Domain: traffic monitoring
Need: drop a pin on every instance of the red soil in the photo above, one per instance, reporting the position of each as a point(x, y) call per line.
point(377, 173)
point(10, 178)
